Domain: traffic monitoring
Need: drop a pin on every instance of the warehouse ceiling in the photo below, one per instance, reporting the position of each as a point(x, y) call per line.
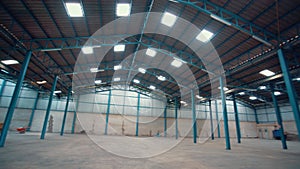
point(246, 36)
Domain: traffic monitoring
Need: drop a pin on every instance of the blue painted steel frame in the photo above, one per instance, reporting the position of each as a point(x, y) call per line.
point(226, 129)
point(2, 87)
point(165, 121)
point(176, 118)
point(107, 113)
point(211, 121)
point(237, 120)
point(32, 111)
point(14, 99)
point(217, 118)
point(66, 111)
point(138, 115)
point(194, 117)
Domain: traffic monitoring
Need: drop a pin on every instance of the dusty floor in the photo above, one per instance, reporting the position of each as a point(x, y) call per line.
point(27, 151)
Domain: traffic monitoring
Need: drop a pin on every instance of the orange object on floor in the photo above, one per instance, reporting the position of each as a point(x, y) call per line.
point(21, 129)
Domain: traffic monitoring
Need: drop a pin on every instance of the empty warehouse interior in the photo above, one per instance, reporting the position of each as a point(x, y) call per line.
point(149, 84)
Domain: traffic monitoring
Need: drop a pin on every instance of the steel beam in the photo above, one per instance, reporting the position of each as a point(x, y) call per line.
point(107, 113)
point(279, 119)
point(237, 120)
point(176, 118)
point(217, 118)
point(211, 121)
point(290, 89)
point(49, 108)
point(138, 115)
point(165, 121)
point(226, 130)
point(33, 111)
point(194, 117)
point(14, 99)
point(66, 111)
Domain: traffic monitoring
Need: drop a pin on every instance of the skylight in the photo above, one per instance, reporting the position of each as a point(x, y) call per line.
point(98, 81)
point(142, 70)
point(136, 81)
point(117, 67)
point(262, 87)
point(168, 19)
point(161, 78)
point(267, 72)
point(152, 87)
point(276, 93)
point(87, 50)
point(57, 91)
point(10, 62)
point(204, 36)
point(252, 98)
point(119, 48)
point(123, 9)
point(151, 52)
point(74, 9)
point(41, 82)
point(116, 79)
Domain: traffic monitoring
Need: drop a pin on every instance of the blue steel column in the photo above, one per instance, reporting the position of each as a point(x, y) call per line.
point(176, 118)
point(65, 113)
point(49, 107)
point(226, 130)
point(237, 120)
point(165, 121)
point(32, 111)
point(14, 99)
point(217, 118)
point(279, 119)
point(137, 115)
point(194, 117)
point(255, 114)
point(2, 87)
point(290, 89)
point(211, 121)
point(107, 112)
point(75, 115)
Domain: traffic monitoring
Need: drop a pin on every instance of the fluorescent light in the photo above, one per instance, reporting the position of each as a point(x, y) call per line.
point(74, 9)
point(57, 91)
point(204, 36)
point(182, 102)
point(117, 67)
point(94, 70)
point(252, 98)
point(123, 9)
point(276, 93)
point(224, 88)
point(50, 49)
point(173, 1)
point(98, 81)
point(199, 97)
point(220, 19)
point(298, 78)
point(119, 48)
point(142, 70)
point(241, 93)
point(41, 82)
point(168, 19)
point(116, 79)
point(136, 81)
point(161, 78)
point(267, 72)
point(9, 62)
point(262, 87)
point(4, 71)
point(261, 40)
point(87, 50)
point(151, 52)
point(152, 87)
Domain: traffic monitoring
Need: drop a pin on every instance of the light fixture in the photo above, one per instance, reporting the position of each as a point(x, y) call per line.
point(10, 62)
point(4, 71)
point(168, 19)
point(119, 48)
point(152, 87)
point(142, 70)
point(298, 78)
point(57, 91)
point(123, 9)
point(199, 97)
point(117, 67)
point(95, 70)
point(182, 102)
point(267, 72)
point(252, 98)
point(136, 81)
point(150, 52)
point(87, 50)
point(220, 19)
point(116, 79)
point(261, 40)
point(74, 9)
point(98, 81)
point(161, 78)
point(41, 82)
point(241, 93)
point(177, 62)
point(262, 87)
point(276, 93)
point(224, 88)
point(204, 36)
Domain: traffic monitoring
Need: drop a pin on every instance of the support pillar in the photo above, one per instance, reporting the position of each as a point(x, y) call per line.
point(226, 130)
point(217, 118)
point(137, 115)
point(107, 112)
point(33, 111)
point(290, 89)
point(2, 87)
point(65, 113)
point(255, 114)
point(75, 115)
point(194, 117)
point(176, 118)
point(211, 121)
point(14, 99)
point(165, 121)
point(49, 108)
point(279, 119)
point(237, 120)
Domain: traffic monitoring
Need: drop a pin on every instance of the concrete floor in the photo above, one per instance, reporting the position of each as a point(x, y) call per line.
point(27, 151)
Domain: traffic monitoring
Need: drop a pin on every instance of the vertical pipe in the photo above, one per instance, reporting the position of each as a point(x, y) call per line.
point(290, 89)
point(237, 120)
point(137, 115)
point(279, 119)
point(33, 111)
point(107, 112)
point(194, 117)
point(49, 108)
point(14, 99)
point(211, 121)
point(176, 118)
point(226, 130)
point(65, 113)
point(165, 121)
point(217, 118)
